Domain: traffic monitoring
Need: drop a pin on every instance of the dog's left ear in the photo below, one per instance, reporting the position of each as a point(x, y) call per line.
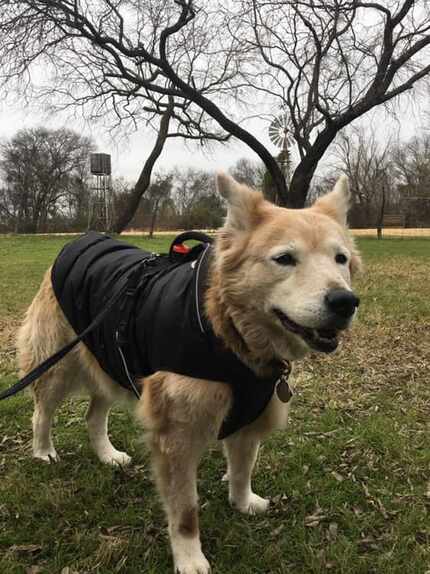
point(243, 203)
point(336, 203)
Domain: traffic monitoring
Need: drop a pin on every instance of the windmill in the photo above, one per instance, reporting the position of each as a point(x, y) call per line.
point(279, 136)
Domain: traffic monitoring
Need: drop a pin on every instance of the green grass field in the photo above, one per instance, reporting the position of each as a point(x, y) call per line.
point(349, 480)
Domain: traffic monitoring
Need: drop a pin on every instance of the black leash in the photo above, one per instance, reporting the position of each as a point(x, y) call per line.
point(53, 359)
point(129, 287)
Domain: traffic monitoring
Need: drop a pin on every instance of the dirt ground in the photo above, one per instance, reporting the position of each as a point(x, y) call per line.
point(394, 232)
point(389, 232)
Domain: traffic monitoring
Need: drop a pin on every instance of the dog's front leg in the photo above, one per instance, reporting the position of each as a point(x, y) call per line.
point(175, 458)
point(241, 451)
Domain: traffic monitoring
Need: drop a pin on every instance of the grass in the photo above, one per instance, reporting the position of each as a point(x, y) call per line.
point(349, 479)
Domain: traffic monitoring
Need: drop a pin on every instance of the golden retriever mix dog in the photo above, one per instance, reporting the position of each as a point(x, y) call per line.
point(278, 287)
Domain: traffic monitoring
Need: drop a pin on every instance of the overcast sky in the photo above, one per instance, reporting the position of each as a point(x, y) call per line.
point(129, 152)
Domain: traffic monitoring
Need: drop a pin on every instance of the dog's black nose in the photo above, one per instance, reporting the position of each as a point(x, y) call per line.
point(342, 302)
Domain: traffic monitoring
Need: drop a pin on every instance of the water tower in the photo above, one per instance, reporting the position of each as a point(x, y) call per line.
point(100, 212)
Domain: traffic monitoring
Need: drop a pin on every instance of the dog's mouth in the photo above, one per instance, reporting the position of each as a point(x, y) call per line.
point(323, 340)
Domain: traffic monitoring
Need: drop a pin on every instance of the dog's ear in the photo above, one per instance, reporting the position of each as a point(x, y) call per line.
point(243, 203)
point(337, 202)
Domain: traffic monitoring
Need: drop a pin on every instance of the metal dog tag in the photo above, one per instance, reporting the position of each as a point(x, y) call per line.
point(283, 390)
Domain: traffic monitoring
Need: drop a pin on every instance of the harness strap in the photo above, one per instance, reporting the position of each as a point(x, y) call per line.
point(163, 264)
point(56, 357)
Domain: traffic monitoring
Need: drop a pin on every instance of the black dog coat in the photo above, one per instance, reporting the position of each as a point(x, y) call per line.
point(162, 328)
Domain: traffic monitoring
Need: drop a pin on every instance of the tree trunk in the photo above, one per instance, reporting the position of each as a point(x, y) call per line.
point(269, 161)
point(154, 217)
point(381, 214)
point(144, 180)
point(304, 172)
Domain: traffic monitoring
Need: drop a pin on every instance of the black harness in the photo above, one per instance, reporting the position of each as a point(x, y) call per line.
point(140, 313)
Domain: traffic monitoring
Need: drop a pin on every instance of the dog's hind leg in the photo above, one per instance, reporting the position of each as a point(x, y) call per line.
point(43, 331)
point(45, 404)
point(97, 420)
point(241, 451)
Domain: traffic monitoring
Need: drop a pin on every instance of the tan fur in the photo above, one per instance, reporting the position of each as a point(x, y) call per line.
point(189, 523)
point(182, 415)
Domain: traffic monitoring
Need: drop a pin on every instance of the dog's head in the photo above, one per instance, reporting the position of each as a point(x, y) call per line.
point(286, 274)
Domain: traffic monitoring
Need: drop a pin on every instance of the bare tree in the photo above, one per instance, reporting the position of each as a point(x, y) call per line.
point(181, 199)
point(411, 164)
point(189, 186)
point(197, 201)
point(142, 184)
point(158, 196)
point(43, 173)
point(368, 165)
point(249, 172)
point(325, 64)
point(139, 59)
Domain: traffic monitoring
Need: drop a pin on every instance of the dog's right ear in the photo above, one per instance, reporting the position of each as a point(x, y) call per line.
point(243, 203)
point(337, 202)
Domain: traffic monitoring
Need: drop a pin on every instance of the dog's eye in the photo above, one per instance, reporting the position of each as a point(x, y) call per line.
point(341, 258)
point(285, 259)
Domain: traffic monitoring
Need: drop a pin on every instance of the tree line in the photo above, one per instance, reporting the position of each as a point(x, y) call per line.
point(44, 180)
point(389, 180)
point(45, 185)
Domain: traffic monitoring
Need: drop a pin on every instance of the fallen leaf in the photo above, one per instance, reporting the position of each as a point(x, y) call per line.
point(337, 476)
point(314, 519)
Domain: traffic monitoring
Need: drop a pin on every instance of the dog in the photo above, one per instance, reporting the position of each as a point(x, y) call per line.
point(279, 286)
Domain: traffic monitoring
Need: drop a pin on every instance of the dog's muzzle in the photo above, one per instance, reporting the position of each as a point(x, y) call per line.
point(341, 305)
point(324, 340)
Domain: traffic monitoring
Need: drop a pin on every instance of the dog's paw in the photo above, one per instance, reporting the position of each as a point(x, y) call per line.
point(115, 458)
point(193, 565)
point(253, 504)
point(47, 455)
